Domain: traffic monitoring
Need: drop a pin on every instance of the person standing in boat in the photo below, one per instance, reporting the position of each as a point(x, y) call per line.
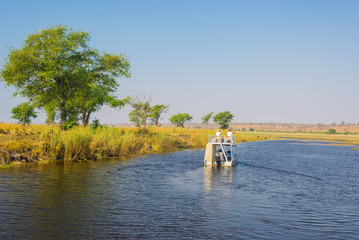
point(218, 135)
point(230, 135)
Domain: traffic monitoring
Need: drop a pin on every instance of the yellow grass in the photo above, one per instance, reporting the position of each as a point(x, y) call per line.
point(49, 143)
point(333, 138)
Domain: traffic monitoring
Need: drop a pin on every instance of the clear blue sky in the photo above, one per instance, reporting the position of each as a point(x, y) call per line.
point(263, 60)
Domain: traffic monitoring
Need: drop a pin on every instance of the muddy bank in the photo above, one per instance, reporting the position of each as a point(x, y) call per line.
point(8, 156)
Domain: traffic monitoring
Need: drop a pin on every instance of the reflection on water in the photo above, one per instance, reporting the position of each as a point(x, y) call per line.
point(214, 181)
point(278, 190)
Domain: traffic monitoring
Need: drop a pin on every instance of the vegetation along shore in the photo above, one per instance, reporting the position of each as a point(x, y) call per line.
point(43, 143)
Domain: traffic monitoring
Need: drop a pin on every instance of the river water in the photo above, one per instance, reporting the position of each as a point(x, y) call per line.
point(278, 190)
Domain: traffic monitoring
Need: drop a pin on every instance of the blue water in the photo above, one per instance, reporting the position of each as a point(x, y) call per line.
point(278, 190)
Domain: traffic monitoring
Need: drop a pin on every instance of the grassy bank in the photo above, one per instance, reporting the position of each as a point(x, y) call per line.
point(48, 143)
point(332, 139)
point(42, 143)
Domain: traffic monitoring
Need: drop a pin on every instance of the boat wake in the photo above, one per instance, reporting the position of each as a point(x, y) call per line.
point(281, 170)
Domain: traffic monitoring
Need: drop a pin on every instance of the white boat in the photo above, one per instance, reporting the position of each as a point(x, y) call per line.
point(221, 151)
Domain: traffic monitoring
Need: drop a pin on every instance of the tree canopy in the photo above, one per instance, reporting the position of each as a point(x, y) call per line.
point(141, 109)
point(180, 118)
point(223, 119)
point(206, 118)
point(58, 70)
point(156, 112)
point(24, 112)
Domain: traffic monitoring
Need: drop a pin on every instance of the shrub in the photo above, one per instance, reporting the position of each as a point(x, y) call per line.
point(332, 131)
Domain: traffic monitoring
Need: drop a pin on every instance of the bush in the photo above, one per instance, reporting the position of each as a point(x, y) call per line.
point(332, 131)
point(95, 124)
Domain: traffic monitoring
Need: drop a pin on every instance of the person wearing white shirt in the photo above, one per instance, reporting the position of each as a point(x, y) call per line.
point(218, 136)
point(230, 135)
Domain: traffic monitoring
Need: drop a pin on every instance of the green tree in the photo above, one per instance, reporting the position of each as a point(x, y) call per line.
point(180, 118)
point(50, 114)
point(223, 119)
point(24, 112)
point(94, 98)
point(141, 109)
point(134, 116)
point(96, 124)
point(156, 112)
point(332, 131)
point(57, 70)
point(206, 118)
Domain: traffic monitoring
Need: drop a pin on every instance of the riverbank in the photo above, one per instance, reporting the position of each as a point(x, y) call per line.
point(43, 143)
point(331, 139)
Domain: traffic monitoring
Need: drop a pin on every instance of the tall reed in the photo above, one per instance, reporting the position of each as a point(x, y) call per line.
point(41, 142)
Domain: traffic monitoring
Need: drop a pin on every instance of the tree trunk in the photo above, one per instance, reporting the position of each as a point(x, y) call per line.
point(84, 118)
point(87, 118)
point(23, 119)
point(63, 116)
point(144, 116)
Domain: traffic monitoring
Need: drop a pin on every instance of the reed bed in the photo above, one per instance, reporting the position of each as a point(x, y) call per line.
point(35, 143)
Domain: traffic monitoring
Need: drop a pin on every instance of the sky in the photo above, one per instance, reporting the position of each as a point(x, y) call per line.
point(263, 60)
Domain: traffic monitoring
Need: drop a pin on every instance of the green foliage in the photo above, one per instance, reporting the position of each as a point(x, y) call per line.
point(50, 113)
point(223, 119)
point(69, 124)
point(58, 70)
point(141, 109)
point(24, 112)
point(332, 131)
point(95, 124)
point(206, 118)
point(134, 116)
point(251, 130)
point(180, 118)
point(156, 112)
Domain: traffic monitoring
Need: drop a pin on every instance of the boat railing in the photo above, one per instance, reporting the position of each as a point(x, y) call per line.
point(221, 139)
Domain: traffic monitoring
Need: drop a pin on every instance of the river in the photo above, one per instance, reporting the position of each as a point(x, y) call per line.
point(278, 190)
